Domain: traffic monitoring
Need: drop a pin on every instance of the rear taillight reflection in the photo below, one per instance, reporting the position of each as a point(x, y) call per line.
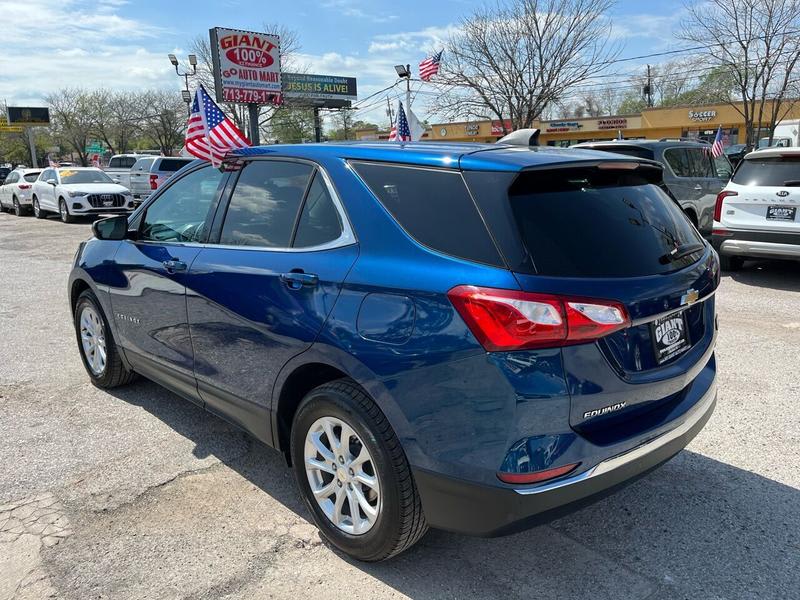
point(718, 206)
point(536, 476)
point(515, 320)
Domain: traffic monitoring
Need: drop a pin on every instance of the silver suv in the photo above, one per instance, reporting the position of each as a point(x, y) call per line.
point(691, 174)
point(151, 172)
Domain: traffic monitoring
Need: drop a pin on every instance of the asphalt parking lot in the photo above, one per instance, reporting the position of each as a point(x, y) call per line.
point(140, 494)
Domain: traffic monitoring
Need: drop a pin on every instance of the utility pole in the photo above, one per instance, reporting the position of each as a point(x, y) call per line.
point(252, 111)
point(32, 146)
point(317, 126)
point(408, 90)
point(648, 90)
point(389, 112)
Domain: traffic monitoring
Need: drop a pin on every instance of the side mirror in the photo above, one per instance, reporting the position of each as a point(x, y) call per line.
point(115, 180)
point(112, 228)
point(51, 182)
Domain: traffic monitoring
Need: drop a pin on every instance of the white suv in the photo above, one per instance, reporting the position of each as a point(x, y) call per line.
point(756, 215)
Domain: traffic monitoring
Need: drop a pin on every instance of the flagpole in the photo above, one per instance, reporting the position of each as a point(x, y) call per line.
point(408, 89)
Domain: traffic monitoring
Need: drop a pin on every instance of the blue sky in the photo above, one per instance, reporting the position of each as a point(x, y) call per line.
point(45, 45)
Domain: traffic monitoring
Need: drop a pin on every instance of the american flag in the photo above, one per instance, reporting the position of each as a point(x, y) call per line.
point(716, 147)
point(210, 135)
point(430, 66)
point(400, 130)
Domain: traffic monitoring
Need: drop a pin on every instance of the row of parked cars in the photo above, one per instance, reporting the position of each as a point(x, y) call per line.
point(73, 192)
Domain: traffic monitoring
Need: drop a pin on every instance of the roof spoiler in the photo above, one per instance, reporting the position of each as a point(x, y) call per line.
point(521, 137)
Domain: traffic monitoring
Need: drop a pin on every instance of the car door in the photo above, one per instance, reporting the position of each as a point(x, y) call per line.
point(6, 191)
point(684, 184)
point(710, 184)
point(47, 191)
point(149, 302)
point(261, 294)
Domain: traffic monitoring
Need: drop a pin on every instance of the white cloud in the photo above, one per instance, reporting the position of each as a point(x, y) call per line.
point(354, 9)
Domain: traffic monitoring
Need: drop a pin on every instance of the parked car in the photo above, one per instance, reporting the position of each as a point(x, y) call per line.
point(119, 168)
point(736, 153)
point(4, 171)
point(16, 191)
point(78, 191)
point(691, 174)
point(756, 214)
point(473, 337)
point(151, 172)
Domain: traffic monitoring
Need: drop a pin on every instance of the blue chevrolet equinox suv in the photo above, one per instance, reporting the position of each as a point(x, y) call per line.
point(476, 338)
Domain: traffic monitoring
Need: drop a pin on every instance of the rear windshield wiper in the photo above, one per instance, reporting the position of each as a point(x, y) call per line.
point(679, 252)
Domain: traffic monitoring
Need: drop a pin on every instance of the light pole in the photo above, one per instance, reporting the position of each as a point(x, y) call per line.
point(404, 72)
point(185, 93)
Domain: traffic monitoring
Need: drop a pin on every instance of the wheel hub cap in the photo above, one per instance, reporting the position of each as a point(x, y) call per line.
point(342, 476)
point(93, 340)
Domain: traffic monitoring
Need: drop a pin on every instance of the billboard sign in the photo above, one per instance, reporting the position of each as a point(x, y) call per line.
point(330, 91)
point(28, 115)
point(247, 66)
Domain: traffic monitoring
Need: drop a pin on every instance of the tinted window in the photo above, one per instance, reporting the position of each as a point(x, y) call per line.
point(264, 204)
point(627, 151)
point(319, 222)
point(127, 162)
point(115, 163)
point(87, 176)
point(700, 162)
point(173, 164)
point(31, 177)
point(181, 212)
point(678, 159)
point(434, 207)
point(770, 171)
point(593, 223)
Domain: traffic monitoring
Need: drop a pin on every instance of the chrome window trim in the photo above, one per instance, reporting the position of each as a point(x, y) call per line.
point(671, 311)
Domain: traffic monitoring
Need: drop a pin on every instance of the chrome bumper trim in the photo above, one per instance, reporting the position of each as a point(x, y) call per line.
point(698, 411)
point(752, 248)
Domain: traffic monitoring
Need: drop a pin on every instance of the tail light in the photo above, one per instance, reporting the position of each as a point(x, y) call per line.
point(514, 320)
point(718, 206)
point(153, 181)
point(24, 186)
point(535, 476)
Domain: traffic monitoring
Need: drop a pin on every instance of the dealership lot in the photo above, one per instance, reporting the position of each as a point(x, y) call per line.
point(139, 494)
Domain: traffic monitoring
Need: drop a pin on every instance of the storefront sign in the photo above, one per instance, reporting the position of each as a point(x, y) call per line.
point(559, 126)
point(247, 66)
point(497, 127)
point(703, 115)
point(472, 128)
point(613, 123)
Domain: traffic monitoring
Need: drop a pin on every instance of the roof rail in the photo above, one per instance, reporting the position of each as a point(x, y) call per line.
point(521, 137)
point(683, 139)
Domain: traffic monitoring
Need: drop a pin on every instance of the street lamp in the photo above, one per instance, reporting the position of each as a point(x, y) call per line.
point(185, 93)
point(404, 72)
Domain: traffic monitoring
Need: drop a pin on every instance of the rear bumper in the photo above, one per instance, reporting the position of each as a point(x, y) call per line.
point(483, 510)
point(758, 244)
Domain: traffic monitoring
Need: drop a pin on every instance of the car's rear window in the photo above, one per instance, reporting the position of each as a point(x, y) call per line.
point(31, 177)
point(434, 207)
point(627, 151)
point(769, 171)
point(173, 164)
point(588, 222)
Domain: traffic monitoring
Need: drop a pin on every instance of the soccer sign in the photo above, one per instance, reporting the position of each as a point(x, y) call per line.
point(247, 66)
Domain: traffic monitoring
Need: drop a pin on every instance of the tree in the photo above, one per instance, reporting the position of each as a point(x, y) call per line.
point(165, 120)
point(512, 60)
point(115, 116)
point(201, 46)
point(71, 119)
point(756, 43)
point(292, 125)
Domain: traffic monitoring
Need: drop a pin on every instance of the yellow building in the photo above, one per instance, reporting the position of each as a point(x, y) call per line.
point(697, 121)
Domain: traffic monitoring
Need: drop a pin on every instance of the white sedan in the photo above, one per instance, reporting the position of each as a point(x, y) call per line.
point(76, 191)
point(15, 193)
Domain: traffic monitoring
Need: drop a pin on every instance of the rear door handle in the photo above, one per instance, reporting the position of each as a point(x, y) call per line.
point(173, 266)
point(297, 280)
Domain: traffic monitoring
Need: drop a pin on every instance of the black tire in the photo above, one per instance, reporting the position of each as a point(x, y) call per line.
point(63, 212)
point(18, 209)
point(730, 263)
point(2, 207)
point(37, 211)
point(400, 522)
point(114, 374)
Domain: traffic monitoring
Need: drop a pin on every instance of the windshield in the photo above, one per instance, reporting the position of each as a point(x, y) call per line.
point(591, 223)
point(88, 176)
point(773, 171)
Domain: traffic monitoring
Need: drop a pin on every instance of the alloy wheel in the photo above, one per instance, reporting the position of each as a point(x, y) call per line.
point(36, 210)
point(93, 340)
point(17, 207)
point(62, 209)
point(342, 475)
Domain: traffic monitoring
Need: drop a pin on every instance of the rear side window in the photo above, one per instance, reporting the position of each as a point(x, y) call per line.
point(777, 171)
point(265, 203)
point(434, 207)
point(678, 160)
point(172, 164)
point(593, 223)
point(319, 222)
